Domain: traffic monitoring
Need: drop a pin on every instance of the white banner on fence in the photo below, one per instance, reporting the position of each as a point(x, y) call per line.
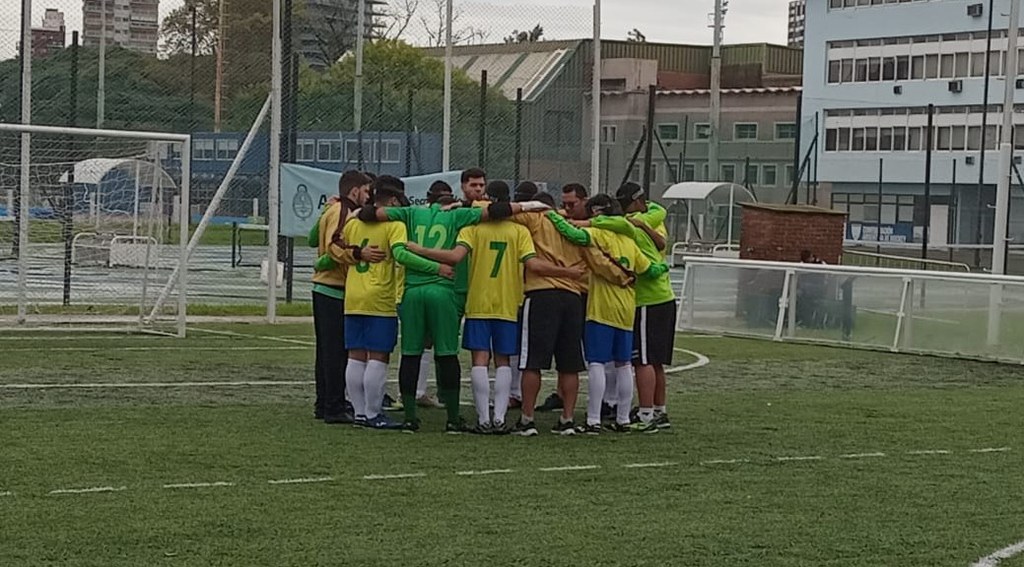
point(305, 190)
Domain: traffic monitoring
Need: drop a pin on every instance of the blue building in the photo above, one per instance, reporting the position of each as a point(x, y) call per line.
point(871, 68)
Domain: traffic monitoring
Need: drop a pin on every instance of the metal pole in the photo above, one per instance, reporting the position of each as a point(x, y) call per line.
point(218, 88)
point(878, 235)
point(716, 94)
point(930, 141)
point(794, 191)
point(69, 195)
point(649, 138)
point(24, 203)
point(446, 135)
point(192, 76)
point(408, 134)
point(979, 234)
point(814, 164)
point(999, 231)
point(519, 134)
point(274, 193)
point(595, 97)
point(357, 113)
point(101, 93)
point(682, 154)
point(483, 120)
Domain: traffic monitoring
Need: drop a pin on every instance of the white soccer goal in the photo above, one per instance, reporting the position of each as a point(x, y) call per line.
point(93, 224)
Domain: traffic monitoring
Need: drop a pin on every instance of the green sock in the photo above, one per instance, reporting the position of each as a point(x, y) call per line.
point(451, 404)
point(409, 403)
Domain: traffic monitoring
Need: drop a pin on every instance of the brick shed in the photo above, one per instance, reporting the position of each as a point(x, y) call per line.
point(778, 233)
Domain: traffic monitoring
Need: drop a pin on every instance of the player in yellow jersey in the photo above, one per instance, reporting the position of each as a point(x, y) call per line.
point(371, 314)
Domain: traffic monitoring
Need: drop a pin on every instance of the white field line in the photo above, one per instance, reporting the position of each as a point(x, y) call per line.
point(1004, 553)
point(483, 473)
point(73, 338)
point(248, 336)
point(217, 484)
point(991, 450)
point(6, 493)
point(725, 462)
point(930, 452)
point(649, 465)
point(393, 476)
point(302, 480)
point(98, 385)
point(862, 456)
point(88, 490)
point(793, 459)
point(701, 362)
point(108, 348)
point(570, 468)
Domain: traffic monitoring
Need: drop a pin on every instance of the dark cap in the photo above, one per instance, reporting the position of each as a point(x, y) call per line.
point(526, 191)
point(603, 205)
point(437, 190)
point(628, 193)
point(390, 186)
point(498, 191)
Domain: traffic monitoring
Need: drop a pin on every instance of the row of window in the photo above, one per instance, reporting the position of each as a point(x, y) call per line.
point(374, 151)
point(742, 131)
point(914, 138)
point(863, 3)
point(959, 65)
point(224, 149)
point(919, 110)
point(757, 174)
point(865, 207)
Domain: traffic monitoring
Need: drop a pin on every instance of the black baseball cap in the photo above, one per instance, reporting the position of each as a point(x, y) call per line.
point(628, 193)
point(387, 185)
point(498, 191)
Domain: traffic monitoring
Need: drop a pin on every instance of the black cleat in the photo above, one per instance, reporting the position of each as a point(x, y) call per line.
point(411, 426)
point(618, 427)
point(560, 428)
point(607, 411)
point(587, 429)
point(552, 403)
point(456, 427)
point(525, 429)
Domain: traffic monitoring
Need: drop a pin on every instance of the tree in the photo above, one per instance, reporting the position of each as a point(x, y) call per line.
point(531, 36)
point(636, 36)
point(433, 26)
point(176, 29)
point(395, 19)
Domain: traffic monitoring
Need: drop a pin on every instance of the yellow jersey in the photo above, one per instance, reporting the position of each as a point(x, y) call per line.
point(328, 221)
point(497, 251)
point(608, 303)
point(372, 289)
point(552, 247)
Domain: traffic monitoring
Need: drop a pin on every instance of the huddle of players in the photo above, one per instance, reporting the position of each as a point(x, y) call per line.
point(586, 286)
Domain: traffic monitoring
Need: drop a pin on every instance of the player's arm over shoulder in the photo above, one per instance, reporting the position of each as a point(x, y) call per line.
point(397, 241)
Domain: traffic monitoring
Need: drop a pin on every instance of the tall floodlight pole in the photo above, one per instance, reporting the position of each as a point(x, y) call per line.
point(26, 144)
point(357, 113)
point(274, 189)
point(984, 134)
point(595, 95)
point(999, 235)
point(219, 81)
point(716, 89)
point(446, 135)
point(101, 93)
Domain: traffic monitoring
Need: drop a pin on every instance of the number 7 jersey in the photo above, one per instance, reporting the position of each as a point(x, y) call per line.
point(497, 253)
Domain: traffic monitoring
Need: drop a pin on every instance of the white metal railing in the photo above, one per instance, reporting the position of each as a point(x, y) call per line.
point(688, 249)
point(858, 258)
point(947, 313)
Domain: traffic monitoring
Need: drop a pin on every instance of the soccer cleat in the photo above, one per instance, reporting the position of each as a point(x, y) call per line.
point(345, 417)
point(360, 421)
point(552, 403)
point(382, 422)
point(643, 427)
point(525, 429)
point(634, 415)
point(560, 428)
point(428, 401)
point(482, 429)
point(456, 427)
point(608, 411)
point(515, 403)
point(391, 404)
point(588, 429)
point(661, 420)
point(411, 426)
point(618, 427)
point(499, 428)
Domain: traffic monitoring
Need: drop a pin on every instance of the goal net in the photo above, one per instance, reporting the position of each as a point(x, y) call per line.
point(93, 225)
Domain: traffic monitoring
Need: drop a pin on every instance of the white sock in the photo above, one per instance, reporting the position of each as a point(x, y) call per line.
point(354, 385)
point(646, 414)
point(659, 409)
point(611, 390)
point(421, 383)
point(625, 398)
point(595, 392)
point(375, 382)
point(517, 378)
point(502, 391)
point(481, 393)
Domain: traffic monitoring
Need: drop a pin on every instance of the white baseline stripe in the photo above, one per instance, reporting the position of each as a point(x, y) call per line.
point(701, 362)
point(930, 452)
point(392, 476)
point(1004, 553)
point(861, 455)
point(808, 458)
point(991, 450)
point(570, 468)
point(649, 465)
point(224, 348)
point(6, 493)
point(219, 483)
point(88, 490)
point(477, 473)
point(725, 462)
point(302, 480)
point(153, 385)
point(248, 336)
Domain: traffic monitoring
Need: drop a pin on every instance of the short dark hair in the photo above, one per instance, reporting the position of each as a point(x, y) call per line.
point(389, 186)
point(628, 193)
point(498, 191)
point(473, 173)
point(437, 190)
point(526, 191)
point(350, 180)
point(603, 205)
point(371, 175)
point(576, 188)
point(446, 200)
point(545, 198)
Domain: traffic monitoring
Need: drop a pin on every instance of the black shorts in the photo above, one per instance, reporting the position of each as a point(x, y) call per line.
point(654, 334)
point(552, 327)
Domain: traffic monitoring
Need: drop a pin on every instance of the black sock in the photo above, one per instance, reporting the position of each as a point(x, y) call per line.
point(448, 382)
point(408, 375)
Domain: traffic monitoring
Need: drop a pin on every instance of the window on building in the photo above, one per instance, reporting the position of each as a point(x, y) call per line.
point(861, 70)
point(769, 175)
point(785, 131)
point(689, 172)
point(844, 139)
point(902, 67)
point(831, 139)
point(931, 66)
point(226, 149)
point(655, 167)
point(609, 134)
point(705, 170)
point(973, 138)
point(888, 69)
point(958, 138)
point(914, 139)
point(328, 150)
point(701, 131)
point(917, 67)
point(946, 66)
point(668, 132)
point(885, 139)
point(834, 68)
point(846, 71)
point(672, 173)
point(945, 138)
point(305, 150)
point(978, 64)
point(790, 174)
point(728, 173)
point(991, 137)
point(389, 151)
point(202, 149)
point(871, 139)
point(995, 64)
point(858, 140)
point(752, 174)
point(899, 138)
point(352, 152)
point(1018, 137)
point(745, 131)
point(962, 64)
point(874, 68)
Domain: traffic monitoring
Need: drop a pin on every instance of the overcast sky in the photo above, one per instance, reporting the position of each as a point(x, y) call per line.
point(673, 21)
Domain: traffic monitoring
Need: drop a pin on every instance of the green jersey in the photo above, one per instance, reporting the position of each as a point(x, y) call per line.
point(431, 227)
point(649, 291)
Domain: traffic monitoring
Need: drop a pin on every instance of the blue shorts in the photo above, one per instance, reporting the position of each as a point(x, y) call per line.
point(372, 333)
point(603, 344)
point(491, 335)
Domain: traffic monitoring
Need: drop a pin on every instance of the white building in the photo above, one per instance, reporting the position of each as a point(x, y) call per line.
point(132, 24)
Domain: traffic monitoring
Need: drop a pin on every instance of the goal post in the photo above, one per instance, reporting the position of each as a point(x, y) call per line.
point(96, 221)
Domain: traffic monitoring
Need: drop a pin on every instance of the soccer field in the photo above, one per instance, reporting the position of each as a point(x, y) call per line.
point(142, 450)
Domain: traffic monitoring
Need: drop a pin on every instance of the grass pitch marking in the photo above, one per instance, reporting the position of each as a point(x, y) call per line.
point(701, 362)
point(991, 450)
point(930, 452)
point(570, 468)
point(155, 348)
point(87, 490)
point(862, 456)
point(302, 480)
point(249, 336)
point(483, 473)
point(7, 493)
point(217, 484)
point(725, 462)
point(1004, 553)
point(649, 465)
point(796, 459)
point(393, 476)
point(98, 385)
